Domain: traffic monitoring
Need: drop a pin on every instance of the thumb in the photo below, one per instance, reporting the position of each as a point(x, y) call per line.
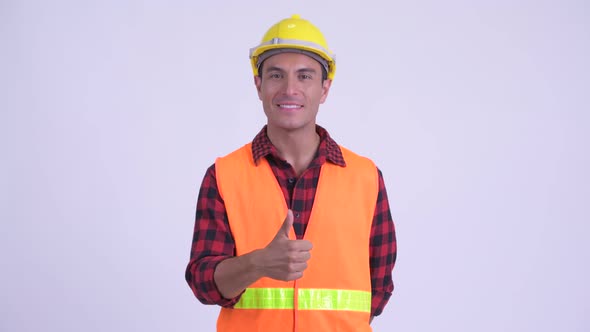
point(287, 224)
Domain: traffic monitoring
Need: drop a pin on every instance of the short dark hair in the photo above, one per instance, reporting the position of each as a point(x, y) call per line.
point(324, 72)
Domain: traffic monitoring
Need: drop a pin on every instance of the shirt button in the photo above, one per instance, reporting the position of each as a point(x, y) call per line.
point(291, 180)
point(296, 214)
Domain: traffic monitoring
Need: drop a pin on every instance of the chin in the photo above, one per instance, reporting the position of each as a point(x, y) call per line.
point(289, 125)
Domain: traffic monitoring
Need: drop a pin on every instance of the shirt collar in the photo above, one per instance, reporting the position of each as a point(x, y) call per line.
point(328, 150)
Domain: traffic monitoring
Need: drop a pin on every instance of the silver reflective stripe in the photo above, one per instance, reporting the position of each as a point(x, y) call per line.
point(297, 42)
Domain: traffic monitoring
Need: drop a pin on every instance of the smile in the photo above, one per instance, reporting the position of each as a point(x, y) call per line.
point(290, 106)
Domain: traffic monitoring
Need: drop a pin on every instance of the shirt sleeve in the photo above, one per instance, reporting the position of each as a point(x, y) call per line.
point(212, 243)
point(383, 251)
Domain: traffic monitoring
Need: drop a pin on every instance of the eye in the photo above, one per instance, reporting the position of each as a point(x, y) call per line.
point(305, 77)
point(274, 75)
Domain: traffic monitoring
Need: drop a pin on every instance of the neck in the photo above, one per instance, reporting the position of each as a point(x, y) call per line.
point(297, 147)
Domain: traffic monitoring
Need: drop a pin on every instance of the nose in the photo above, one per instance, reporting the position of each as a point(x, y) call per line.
point(291, 86)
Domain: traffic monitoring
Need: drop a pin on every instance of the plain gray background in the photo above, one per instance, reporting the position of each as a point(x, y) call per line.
point(476, 111)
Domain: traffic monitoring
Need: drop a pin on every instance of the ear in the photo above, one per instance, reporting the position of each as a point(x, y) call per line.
point(258, 83)
point(325, 89)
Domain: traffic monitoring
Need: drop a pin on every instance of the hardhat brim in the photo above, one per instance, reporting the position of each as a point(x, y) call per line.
point(290, 44)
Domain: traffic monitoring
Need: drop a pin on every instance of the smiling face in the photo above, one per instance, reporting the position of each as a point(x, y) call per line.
point(291, 90)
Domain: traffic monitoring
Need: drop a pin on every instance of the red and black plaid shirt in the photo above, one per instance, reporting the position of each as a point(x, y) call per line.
point(213, 242)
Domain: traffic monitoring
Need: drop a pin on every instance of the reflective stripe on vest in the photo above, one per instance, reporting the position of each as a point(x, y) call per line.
point(308, 299)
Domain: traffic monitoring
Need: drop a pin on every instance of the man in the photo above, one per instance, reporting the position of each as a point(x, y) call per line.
point(292, 231)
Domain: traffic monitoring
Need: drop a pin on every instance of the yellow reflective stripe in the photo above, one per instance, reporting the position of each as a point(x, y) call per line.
point(308, 299)
point(334, 299)
point(266, 298)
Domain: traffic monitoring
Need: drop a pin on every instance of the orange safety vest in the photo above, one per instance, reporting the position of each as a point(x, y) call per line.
point(334, 293)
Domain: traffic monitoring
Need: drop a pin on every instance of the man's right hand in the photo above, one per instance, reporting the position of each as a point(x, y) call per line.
point(285, 259)
point(282, 259)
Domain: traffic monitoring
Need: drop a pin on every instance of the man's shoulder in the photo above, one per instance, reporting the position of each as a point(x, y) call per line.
point(242, 151)
point(236, 162)
point(354, 157)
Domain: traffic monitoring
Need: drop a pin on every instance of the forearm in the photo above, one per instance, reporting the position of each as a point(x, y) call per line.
point(200, 278)
point(233, 275)
point(379, 300)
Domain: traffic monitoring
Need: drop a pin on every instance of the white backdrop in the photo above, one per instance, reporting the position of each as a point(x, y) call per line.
point(476, 111)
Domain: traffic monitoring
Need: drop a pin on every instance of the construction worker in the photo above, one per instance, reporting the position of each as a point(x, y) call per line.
point(293, 232)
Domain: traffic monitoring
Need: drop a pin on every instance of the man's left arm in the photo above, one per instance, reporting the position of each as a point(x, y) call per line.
point(383, 251)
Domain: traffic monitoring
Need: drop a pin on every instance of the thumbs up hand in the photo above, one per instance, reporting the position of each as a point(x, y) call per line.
point(285, 259)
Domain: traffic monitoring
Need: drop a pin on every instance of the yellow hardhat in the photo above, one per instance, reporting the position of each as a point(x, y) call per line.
point(297, 34)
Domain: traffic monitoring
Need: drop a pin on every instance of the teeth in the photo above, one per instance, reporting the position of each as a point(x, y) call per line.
point(289, 106)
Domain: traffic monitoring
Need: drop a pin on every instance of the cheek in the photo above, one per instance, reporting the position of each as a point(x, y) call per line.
point(267, 93)
point(315, 94)
point(266, 97)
